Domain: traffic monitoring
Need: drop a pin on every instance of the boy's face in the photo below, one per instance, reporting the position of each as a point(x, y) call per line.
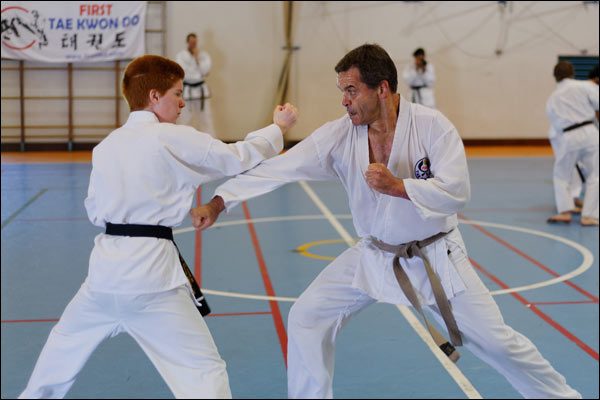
point(168, 106)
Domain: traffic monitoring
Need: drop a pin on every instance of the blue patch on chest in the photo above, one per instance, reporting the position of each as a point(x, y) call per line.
point(423, 169)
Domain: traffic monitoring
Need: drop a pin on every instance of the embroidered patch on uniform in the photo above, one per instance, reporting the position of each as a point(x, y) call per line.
point(423, 169)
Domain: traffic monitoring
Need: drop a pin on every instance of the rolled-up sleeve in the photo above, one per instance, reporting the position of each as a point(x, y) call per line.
point(448, 191)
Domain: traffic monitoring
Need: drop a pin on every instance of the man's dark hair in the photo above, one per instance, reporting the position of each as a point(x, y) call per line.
point(419, 52)
point(374, 65)
point(593, 74)
point(190, 35)
point(562, 70)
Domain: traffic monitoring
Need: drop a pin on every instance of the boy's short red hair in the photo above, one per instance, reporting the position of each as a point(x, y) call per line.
point(146, 73)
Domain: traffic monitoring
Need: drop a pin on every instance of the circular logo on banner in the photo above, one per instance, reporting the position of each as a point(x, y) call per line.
point(21, 28)
point(423, 169)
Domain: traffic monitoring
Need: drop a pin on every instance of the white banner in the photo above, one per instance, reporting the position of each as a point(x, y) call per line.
point(73, 31)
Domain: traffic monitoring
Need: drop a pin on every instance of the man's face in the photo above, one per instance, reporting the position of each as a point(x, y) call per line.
point(192, 43)
point(361, 102)
point(168, 106)
point(419, 60)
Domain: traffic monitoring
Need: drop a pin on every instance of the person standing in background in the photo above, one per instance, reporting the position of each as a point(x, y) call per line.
point(420, 76)
point(578, 175)
point(571, 109)
point(197, 64)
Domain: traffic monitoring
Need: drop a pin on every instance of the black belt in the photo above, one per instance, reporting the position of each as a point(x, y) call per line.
point(202, 95)
point(161, 232)
point(416, 93)
point(193, 84)
point(579, 125)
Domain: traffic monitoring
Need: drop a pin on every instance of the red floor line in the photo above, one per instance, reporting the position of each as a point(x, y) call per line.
point(198, 244)
point(277, 319)
point(239, 314)
point(550, 303)
point(593, 353)
point(531, 259)
point(16, 321)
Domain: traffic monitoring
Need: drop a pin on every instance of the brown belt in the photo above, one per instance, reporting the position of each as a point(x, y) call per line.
point(414, 249)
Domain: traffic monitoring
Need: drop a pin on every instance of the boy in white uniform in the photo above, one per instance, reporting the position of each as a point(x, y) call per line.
point(144, 175)
point(405, 173)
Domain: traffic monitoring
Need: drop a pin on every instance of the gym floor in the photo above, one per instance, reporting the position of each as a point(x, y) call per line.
point(257, 259)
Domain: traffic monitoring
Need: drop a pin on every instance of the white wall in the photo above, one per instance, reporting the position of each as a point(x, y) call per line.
point(244, 41)
point(486, 96)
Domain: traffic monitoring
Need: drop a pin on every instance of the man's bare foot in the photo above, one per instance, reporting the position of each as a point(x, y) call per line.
point(589, 221)
point(562, 218)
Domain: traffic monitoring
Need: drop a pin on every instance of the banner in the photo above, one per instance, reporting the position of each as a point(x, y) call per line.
point(65, 31)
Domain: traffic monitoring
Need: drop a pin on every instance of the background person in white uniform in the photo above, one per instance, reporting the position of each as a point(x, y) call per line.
point(578, 174)
point(420, 77)
point(404, 169)
point(146, 173)
point(594, 80)
point(572, 109)
point(196, 63)
point(576, 181)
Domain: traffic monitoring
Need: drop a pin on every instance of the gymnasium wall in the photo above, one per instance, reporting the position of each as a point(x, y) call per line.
point(486, 95)
point(493, 63)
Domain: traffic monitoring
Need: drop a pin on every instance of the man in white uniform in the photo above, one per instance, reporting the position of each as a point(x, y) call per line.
point(197, 64)
point(404, 169)
point(577, 177)
point(572, 109)
point(420, 77)
point(143, 180)
point(594, 79)
point(578, 174)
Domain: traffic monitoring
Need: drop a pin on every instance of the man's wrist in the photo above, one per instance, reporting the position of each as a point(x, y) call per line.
point(217, 204)
point(399, 190)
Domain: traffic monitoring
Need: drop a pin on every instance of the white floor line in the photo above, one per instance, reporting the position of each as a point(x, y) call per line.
point(456, 374)
point(586, 263)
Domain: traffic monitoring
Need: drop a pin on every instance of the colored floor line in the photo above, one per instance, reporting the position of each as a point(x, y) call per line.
point(539, 313)
point(553, 303)
point(237, 314)
point(277, 319)
point(29, 202)
point(531, 259)
point(17, 321)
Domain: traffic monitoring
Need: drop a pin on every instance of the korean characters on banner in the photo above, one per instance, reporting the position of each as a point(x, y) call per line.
point(73, 31)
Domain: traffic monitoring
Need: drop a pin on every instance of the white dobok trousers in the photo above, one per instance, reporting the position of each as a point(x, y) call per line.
point(166, 325)
point(330, 301)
